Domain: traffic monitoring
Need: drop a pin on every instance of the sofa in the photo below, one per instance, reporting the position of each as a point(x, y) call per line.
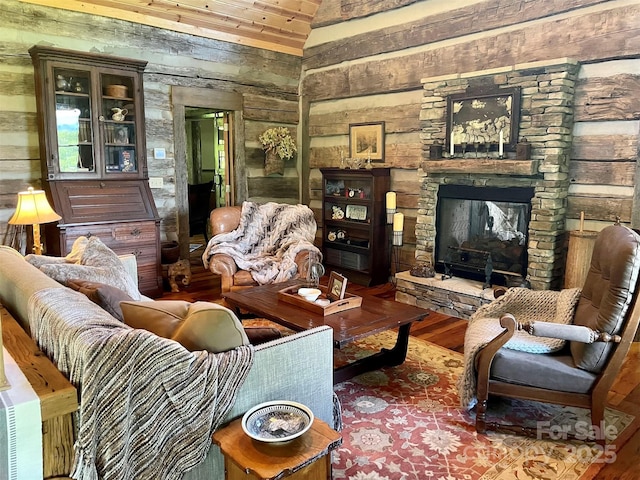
point(240, 251)
point(297, 367)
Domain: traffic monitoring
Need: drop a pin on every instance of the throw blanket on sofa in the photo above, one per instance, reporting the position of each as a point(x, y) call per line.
point(148, 407)
point(526, 305)
point(267, 240)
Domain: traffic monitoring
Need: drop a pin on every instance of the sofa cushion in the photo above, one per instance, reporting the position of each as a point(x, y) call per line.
point(212, 327)
point(551, 371)
point(99, 264)
point(197, 326)
point(162, 317)
point(103, 295)
point(607, 292)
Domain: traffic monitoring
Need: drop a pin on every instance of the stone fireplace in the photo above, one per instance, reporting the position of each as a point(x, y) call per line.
point(482, 232)
point(545, 123)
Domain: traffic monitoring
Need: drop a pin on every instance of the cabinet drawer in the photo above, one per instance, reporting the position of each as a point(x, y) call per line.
point(113, 235)
point(135, 232)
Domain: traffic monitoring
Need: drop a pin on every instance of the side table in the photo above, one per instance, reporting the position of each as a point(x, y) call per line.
point(305, 458)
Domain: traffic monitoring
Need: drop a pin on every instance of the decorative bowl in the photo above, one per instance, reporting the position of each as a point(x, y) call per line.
point(277, 421)
point(309, 294)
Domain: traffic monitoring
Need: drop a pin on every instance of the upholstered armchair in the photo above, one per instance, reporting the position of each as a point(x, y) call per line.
point(227, 219)
point(578, 341)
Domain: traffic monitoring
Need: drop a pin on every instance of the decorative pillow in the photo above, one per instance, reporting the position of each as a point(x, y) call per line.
point(99, 264)
point(162, 317)
point(74, 255)
point(39, 260)
point(105, 296)
point(197, 326)
point(211, 327)
point(77, 250)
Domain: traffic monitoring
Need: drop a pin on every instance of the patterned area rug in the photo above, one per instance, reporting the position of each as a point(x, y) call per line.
point(405, 423)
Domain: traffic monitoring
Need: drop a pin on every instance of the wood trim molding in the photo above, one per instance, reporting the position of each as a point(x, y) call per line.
point(482, 166)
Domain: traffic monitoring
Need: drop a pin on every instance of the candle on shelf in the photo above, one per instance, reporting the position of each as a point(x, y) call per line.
point(452, 145)
point(398, 222)
point(391, 200)
point(501, 144)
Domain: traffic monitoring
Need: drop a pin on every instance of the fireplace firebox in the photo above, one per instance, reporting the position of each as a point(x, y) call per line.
point(482, 232)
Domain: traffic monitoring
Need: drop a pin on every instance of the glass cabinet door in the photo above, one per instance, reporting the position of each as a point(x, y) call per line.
point(74, 130)
point(118, 123)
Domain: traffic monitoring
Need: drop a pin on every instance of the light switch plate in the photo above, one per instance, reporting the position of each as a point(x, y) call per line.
point(156, 182)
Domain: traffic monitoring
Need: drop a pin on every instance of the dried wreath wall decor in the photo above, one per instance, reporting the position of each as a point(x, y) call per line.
point(279, 146)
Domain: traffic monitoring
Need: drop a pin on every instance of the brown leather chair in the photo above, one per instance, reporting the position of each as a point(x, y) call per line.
point(605, 321)
point(227, 219)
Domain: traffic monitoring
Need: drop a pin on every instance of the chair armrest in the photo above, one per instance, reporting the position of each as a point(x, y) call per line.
point(225, 266)
point(574, 333)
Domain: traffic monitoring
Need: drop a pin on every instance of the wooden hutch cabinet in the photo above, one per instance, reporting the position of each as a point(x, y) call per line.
point(355, 242)
point(93, 155)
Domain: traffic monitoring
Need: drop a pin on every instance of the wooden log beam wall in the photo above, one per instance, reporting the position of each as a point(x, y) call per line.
point(364, 62)
point(267, 80)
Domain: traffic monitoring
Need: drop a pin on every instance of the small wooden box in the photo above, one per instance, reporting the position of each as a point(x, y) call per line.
point(118, 91)
point(291, 296)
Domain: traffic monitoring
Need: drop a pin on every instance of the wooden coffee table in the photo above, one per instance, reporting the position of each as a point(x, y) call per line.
point(373, 316)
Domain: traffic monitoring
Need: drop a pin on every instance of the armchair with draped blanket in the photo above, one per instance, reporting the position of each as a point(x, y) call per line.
point(557, 347)
point(257, 244)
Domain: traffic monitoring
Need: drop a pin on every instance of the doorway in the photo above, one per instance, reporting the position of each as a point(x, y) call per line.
point(209, 164)
point(203, 109)
point(209, 152)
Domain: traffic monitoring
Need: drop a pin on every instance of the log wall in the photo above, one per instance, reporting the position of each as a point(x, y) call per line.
point(267, 81)
point(364, 61)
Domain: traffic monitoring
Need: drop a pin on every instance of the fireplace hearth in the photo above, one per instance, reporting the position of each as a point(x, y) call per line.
point(482, 233)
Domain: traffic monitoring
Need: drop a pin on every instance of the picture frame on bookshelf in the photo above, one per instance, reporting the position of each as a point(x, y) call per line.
point(127, 161)
point(356, 212)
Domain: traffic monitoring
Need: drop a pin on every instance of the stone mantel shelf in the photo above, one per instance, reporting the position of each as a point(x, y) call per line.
point(492, 166)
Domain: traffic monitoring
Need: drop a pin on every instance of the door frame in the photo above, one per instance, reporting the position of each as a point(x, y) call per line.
point(182, 97)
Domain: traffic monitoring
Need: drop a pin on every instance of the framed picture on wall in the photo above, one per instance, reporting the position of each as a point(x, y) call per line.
point(484, 117)
point(366, 140)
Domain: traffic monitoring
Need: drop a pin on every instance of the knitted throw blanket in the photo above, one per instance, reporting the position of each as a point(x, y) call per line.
point(267, 240)
point(526, 305)
point(148, 407)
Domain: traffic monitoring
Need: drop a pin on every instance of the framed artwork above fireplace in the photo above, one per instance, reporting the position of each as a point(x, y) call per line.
point(478, 117)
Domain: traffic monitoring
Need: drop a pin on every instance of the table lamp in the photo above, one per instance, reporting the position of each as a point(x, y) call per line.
point(33, 209)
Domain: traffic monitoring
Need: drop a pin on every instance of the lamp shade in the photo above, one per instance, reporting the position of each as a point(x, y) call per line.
point(33, 209)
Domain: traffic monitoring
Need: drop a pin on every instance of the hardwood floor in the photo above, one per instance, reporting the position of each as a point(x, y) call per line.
point(448, 332)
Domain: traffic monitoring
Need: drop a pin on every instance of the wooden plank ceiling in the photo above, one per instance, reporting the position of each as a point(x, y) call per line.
point(278, 25)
